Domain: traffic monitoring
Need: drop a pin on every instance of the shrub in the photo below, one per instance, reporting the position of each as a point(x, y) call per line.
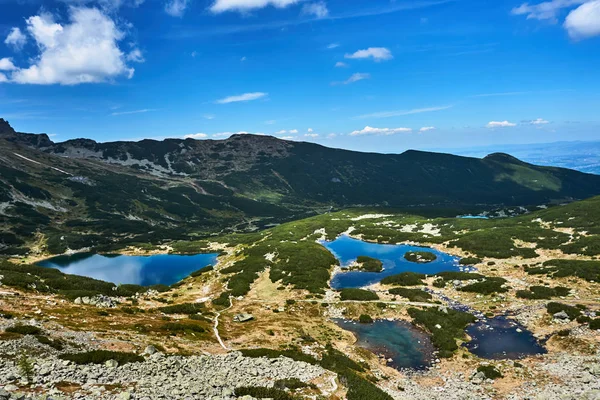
point(469, 261)
point(25, 365)
point(416, 295)
point(293, 353)
point(6, 315)
point(55, 344)
point(369, 264)
point(563, 332)
point(490, 371)
point(263, 393)
point(101, 356)
point(292, 384)
point(588, 270)
point(358, 294)
point(404, 279)
point(543, 292)
point(572, 312)
point(223, 300)
point(595, 324)
point(488, 286)
point(201, 271)
point(365, 319)
point(458, 276)
point(183, 327)
point(420, 256)
point(184, 308)
point(24, 329)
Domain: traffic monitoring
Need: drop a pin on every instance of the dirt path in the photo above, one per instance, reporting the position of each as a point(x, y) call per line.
point(216, 327)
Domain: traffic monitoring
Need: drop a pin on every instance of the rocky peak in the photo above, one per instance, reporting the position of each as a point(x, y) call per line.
point(5, 128)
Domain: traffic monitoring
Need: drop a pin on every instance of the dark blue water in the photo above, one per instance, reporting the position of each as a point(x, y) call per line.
point(164, 269)
point(498, 338)
point(407, 346)
point(347, 249)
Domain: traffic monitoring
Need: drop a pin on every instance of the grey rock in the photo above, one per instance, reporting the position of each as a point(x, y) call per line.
point(561, 316)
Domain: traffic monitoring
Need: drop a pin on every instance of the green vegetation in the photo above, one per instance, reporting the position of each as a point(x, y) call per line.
point(55, 344)
point(102, 356)
point(445, 326)
point(420, 256)
point(263, 393)
point(26, 368)
point(184, 308)
point(201, 271)
point(490, 371)
point(595, 324)
point(470, 261)
point(292, 384)
point(572, 312)
point(488, 286)
point(365, 319)
point(588, 270)
point(404, 279)
point(416, 295)
point(24, 329)
point(358, 294)
point(369, 264)
point(223, 300)
point(458, 276)
point(177, 327)
point(543, 292)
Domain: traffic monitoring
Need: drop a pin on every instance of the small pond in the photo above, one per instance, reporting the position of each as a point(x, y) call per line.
point(407, 346)
point(502, 338)
point(164, 269)
point(347, 249)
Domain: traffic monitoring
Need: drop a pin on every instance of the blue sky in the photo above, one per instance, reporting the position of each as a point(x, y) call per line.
point(373, 75)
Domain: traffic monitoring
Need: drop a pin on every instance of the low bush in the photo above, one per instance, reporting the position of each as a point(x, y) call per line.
point(416, 295)
point(369, 264)
point(365, 319)
point(404, 279)
point(102, 356)
point(490, 371)
point(292, 384)
point(263, 393)
point(223, 300)
point(470, 261)
point(293, 353)
point(183, 327)
point(358, 294)
point(184, 308)
point(420, 256)
point(24, 329)
point(543, 292)
point(55, 344)
point(588, 270)
point(572, 312)
point(201, 271)
point(458, 276)
point(488, 286)
point(595, 324)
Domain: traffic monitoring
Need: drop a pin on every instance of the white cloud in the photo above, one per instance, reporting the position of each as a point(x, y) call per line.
point(331, 135)
point(310, 130)
point(354, 78)
point(547, 10)
point(3, 78)
point(6, 64)
point(135, 55)
point(176, 8)
point(220, 6)
point(584, 22)
point(500, 124)
point(194, 54)
point(293, 131)
point(281, 132)
point(318, 9)
point(243, 59)
point(312, 135)
point(332, 46)
point(209, 116)
point(143, 111)
point(341, 64)
point(271, 122)
point(287, 137)
point(427, 128)
point(539, 121)
point(380, 131)
point(196, 136)
point(376, 53)
point(399, 113)
point(16, 39)
point(85, 50)
point(242, 97)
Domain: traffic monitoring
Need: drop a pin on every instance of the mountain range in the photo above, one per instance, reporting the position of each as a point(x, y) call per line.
point(80, 193)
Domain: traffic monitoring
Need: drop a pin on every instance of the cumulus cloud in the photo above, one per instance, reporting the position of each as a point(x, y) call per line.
point(310, 130)
point(176, 8)
point(547, 10)
point(376, 53)
point(539, 121)
point(135, 55)
point(294, 131)
point(380, 131)
point(220, 6)
point(584, 21)
point(6, 64)
point(427, 128)
point(341, 64)
point(500, 124)
point(196, 136)
point(16, 39)
point(3, 78)
point(318, 9)
point(84, 50)
point(242, 97)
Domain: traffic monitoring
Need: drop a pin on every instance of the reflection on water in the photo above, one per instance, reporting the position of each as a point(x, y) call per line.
point(164, 269)
point(347, 249)
point(502, 338)
point(407, 346)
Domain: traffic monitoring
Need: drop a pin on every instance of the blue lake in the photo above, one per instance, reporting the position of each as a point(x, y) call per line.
point(347, 249)
point(502, 338)
point(407, 346)
point(164, 269)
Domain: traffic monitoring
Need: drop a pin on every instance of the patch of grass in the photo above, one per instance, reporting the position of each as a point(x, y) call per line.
point(24, 329)
point(101, 356)
point(369, 264)
point(358, 294)
point(420, 256)
point(416, 295)
point(404, 279)
point(444, 327)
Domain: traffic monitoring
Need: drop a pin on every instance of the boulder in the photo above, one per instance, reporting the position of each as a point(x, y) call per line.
point(561, 315)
